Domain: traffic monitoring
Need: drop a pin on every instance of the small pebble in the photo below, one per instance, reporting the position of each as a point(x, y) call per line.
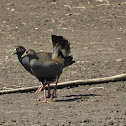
point(12, 9)
point(119, 60)
point(6, 57)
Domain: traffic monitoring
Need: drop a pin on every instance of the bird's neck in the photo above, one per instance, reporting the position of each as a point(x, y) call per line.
point(32, 61)
point(20, 58)
point(33, 57)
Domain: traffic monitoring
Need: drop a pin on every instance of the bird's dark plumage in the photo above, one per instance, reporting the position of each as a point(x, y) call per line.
point(62, 45)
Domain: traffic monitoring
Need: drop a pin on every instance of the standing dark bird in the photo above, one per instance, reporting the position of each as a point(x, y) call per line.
point(20, 50)
point(47, 67)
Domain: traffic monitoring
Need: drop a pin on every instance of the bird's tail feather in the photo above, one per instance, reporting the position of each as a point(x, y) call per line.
point(61, 43)
point(61, 48)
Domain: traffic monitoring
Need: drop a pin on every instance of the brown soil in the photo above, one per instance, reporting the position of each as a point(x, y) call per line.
point(96, 30)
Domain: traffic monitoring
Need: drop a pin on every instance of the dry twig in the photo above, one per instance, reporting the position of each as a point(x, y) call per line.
point(120, 77)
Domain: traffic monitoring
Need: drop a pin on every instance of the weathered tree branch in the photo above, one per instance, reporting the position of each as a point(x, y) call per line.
point(120, 77)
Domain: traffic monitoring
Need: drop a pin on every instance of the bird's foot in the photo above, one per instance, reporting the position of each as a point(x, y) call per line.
point(45, 101)
point(49, 95)
point(38, 99)
point(53, 96)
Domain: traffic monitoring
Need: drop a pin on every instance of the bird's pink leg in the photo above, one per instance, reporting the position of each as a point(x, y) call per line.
point(39, 89)
point(45, 101)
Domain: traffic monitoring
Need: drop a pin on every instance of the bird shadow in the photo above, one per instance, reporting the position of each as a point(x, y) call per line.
point(80, 97)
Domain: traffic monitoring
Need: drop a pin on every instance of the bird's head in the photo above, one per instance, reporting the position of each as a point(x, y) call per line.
point(19, 50)
point(29, 53)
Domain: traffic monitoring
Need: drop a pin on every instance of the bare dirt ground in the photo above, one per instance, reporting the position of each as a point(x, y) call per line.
point(96, 30)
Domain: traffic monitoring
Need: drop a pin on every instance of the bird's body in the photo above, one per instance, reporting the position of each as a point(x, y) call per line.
point(45, 70)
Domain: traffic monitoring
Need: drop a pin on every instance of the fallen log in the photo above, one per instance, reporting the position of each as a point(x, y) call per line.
point(121, 77)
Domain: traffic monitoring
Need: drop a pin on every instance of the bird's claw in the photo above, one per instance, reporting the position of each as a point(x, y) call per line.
point(46, 101)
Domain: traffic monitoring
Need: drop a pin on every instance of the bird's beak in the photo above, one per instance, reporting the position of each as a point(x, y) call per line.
point(25, 54)
point(14, 52)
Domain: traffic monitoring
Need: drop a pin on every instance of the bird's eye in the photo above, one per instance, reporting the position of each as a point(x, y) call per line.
point(19, 49)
